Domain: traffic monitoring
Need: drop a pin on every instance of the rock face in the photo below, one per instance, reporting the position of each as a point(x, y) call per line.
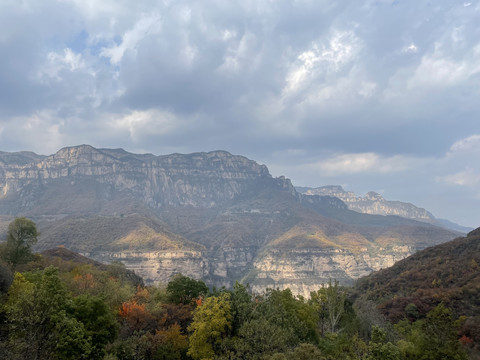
point(305, 270)
point(214, 216)
point(198, 180)
point(371, 203)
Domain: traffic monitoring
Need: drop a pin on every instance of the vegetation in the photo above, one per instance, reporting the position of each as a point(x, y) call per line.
point(63, 306)
point(22, 234)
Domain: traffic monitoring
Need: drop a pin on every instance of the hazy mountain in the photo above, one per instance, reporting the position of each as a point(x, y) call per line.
point(215, 216)
point(375, 204)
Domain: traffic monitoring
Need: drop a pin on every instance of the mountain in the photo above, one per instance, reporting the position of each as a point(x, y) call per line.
point(215, 216)
point(375, 204)
point(448, 273)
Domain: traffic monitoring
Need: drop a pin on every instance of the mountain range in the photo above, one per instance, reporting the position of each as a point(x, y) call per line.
point(374, 203)
point(215, 216)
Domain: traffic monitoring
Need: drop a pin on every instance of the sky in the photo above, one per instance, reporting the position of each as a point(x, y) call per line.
point(372, 95)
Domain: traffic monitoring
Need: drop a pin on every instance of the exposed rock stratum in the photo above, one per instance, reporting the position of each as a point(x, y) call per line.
point(215, 216)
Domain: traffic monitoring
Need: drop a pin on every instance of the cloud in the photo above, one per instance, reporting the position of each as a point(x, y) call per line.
point(146, 26)
point(139, 124)
point(321, 59)
point(347, 91)
point(468, 144)
point(57, 62)
point(468, 177)
point(412, 48)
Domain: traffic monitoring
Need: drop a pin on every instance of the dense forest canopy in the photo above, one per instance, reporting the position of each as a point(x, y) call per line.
point(59, 305)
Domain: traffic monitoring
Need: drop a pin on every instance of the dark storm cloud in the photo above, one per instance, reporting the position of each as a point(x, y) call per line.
point(364, 93)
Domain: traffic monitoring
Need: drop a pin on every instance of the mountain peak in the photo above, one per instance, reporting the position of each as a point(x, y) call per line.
point(373, 196)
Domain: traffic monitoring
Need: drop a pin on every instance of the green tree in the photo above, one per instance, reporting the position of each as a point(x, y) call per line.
point(211, 322)
point(329, 303)
point(260, 337)
point(99, 322)
point(22, 234)
point(242, 306)
point(440, 336)
point(182, 289)
point(290, 312)
point(380, 349)
point(38, 324)
point(434, 337)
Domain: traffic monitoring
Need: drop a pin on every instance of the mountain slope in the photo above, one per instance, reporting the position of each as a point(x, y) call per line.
point(374, 204)
point(215, 216)
point(448, 273)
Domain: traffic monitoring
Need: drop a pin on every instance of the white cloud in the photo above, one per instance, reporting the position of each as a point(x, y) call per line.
point(363, 163)
point(466, 145)
point(322, 58)
point(450, 63)
point(239, 55)
point(56, 62)
point(228, 34)
point(468, 177)
point(40, 132)
point(146, 25)
point(145, 123)
point(412, 48)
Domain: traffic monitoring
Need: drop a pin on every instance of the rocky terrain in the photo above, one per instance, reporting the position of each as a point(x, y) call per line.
point(215, 216)
point(374, 203)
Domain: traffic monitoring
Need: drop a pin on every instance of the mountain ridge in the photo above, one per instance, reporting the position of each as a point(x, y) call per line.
point(375, 204)
point(209, 215)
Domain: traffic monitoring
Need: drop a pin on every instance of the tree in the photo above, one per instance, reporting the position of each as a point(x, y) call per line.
point(440, 335)
point(99, 321)
point(38, 325)
point(434, 337)
point(330, 304)
point(380, 349)
point(242, 306)
point(22, 234)
point(211, 322)
point(291, 313)
point(182, 289)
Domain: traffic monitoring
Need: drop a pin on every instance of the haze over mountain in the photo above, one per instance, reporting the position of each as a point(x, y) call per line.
point(215, 216)
point(375, 95)
point(374, 203)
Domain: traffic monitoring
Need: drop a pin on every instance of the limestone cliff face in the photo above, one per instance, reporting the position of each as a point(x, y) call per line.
point(158, 266)
point(198, 180)
point(212, 216)
point(372, 203)
point(307, 270)
point(220, 269)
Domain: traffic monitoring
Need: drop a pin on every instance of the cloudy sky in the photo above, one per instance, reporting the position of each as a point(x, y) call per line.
point(373, 95)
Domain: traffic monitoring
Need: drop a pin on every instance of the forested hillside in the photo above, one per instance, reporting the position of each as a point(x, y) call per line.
point(60, 305)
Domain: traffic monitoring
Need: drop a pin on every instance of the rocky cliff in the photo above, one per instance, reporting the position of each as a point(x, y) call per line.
point(371, 203)
point(199, 180)
point(215, 216)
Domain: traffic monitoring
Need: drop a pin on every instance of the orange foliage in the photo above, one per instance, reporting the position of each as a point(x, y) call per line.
point(84, 282)
point(131, 307)
point(142, 295)
point(465, 340)
point(135, 316)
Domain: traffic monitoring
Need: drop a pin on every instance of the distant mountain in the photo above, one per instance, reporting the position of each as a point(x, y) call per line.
point(374, 203)
point(215, 216)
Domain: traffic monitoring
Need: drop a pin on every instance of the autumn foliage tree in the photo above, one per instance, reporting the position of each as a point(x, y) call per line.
point(211, 323)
